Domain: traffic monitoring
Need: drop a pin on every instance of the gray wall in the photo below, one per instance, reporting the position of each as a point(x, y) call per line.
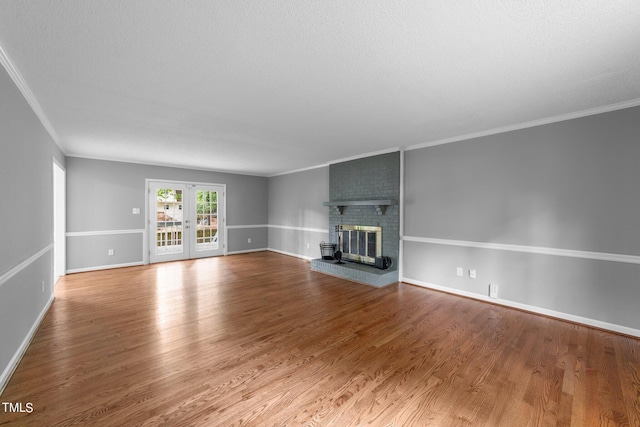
point(102, 194)
point(26, 214)
point(572, 185)
point(298, 221)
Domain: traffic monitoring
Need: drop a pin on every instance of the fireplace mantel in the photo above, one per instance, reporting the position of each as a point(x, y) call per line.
point(380, 205)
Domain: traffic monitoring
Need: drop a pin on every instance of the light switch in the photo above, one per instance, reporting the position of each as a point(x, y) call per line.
point(136, 211)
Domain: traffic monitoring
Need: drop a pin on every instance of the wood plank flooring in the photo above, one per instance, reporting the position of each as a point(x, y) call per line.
point(260, 340)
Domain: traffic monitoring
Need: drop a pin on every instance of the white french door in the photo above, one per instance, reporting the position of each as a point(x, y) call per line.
point(186, 221)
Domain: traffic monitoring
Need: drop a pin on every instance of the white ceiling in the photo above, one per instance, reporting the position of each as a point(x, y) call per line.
point(264, 87)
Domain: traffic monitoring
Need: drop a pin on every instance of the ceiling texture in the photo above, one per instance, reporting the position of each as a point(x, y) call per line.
point(266, 87)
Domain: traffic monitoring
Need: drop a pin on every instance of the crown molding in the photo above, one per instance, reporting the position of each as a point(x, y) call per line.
point(163, 165)
point(365, 155)
point(342, 160)
point(324, 165)
point(19, 81)
point(548, 120)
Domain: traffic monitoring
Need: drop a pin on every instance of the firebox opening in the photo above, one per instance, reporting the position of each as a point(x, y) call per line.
point(360, 243)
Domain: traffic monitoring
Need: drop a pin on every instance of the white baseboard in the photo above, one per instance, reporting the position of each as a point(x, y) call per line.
point(530, 308)
point(246, 251)
point(306, 258)
point(104, 267)
point(15, 360)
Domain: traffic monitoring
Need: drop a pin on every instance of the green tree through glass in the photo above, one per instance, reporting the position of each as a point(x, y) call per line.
point(207, 202)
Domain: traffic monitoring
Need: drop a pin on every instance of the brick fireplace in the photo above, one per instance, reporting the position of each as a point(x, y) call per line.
point(364, 193)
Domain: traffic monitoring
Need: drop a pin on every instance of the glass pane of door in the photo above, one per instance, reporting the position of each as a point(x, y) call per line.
point(208, 229)
point(170, 220)
point(207, 220)
point(166, 204)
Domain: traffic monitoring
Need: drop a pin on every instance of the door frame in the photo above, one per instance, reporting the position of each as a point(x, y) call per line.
point(59, 184)
point(147, 218)
point(193, 232)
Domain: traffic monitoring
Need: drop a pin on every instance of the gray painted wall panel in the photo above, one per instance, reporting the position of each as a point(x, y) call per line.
point(568, 185)
point(26, 174)
point(295, 201)
point(26, 152)
point(296, 241)
point(238, 238)
point(600, 290)
point(247, 199)
point(102, 194)
point(21, 302)
point(85, 252)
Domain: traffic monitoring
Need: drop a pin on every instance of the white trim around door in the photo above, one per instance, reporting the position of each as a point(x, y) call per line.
point(59, 180)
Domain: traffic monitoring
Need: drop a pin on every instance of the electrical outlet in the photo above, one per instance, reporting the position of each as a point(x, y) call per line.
point(249, 240)
point(460, 271)
point(472, 274)
point(493, 291)
point(110, 252)
point(43, 286)
point(136, 211)
point(308, 245)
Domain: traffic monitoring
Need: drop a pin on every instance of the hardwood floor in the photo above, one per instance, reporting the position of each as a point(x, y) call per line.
point(260, 340)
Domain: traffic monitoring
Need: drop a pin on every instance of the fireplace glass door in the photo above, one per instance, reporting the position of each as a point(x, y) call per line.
point(360, 243)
